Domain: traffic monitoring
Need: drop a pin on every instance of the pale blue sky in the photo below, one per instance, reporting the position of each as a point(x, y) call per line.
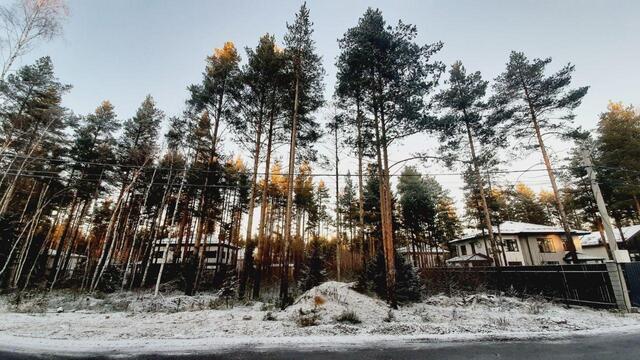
point(122, 50)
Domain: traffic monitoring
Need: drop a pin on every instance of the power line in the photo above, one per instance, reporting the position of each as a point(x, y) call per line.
point(116, 165)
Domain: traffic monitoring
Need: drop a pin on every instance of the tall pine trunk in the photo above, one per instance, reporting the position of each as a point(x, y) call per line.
point(284, 280)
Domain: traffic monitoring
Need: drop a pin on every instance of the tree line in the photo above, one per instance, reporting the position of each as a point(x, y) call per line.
point(113, 189)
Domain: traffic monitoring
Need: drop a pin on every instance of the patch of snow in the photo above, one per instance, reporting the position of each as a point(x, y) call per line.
point(336, 298)
point(193, 326)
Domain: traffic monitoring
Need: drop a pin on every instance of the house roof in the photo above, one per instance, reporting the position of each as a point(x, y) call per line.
point(469, 258)
point(514, 227)
point(594, 239)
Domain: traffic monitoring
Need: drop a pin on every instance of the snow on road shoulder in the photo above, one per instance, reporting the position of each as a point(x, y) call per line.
point(204, 322)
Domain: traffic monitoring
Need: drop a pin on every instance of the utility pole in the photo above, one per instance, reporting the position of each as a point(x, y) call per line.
point(602, 208)
point(338, 242)
point(614, 269)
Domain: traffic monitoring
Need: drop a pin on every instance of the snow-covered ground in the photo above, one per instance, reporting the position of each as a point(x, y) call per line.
point(329, 314)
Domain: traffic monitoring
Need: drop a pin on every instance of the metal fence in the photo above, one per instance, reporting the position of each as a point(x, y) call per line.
point(588, 285)
point(632, 276)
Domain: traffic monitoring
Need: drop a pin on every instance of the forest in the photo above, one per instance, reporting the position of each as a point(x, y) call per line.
point(97, 202)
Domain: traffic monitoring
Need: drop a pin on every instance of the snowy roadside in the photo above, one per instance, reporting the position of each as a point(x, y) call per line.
point(331, 314)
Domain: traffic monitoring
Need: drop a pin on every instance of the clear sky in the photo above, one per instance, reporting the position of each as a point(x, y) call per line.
point(122, 50)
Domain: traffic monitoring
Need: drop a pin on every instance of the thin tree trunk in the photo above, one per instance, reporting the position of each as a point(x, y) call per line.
point(104, 258)
point(360, 181)
point(338, 235)
point(173, 219)
point(263, 209)
point(552, 178)
point(135, 233)
point(387, 217)
point(244, 275)
point(483, 198)
point(284, 281)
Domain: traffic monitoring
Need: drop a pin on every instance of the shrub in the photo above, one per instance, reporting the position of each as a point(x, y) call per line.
point(536, 305)
point(348, 316)
point(269, 317)
point(307, 318)
point(373, 279)
point(391, 317)
point(111, 279)
point(313, 271)
point(228, 291)
point(502, 322)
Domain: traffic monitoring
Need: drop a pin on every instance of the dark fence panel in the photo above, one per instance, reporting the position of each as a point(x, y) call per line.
point(572, 284)
point(632, 275)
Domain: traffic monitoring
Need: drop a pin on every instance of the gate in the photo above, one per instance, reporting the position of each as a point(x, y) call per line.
point(632, 275)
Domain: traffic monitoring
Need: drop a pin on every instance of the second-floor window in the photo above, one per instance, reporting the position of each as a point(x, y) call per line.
point(545, 245)
point(511, 245)
point(463, 250)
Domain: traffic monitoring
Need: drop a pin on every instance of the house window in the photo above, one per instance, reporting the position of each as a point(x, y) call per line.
point(515, 263)
point(511, 245)
point(463, 250)
point(545, 245)
point(473, 247)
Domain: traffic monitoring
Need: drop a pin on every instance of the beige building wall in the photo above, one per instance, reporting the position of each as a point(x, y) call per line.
point(599, 251)
point(533, 255)
point(528, 250)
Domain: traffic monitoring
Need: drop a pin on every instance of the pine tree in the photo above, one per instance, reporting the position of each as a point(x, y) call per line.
point(532, 99)
point(373, 279)
point(34, 134)
point(465, 122)
point(305, 69)
point(397, 75)
point(526, 207)
point(618, 154)
point(313, 272)
point(417, 207)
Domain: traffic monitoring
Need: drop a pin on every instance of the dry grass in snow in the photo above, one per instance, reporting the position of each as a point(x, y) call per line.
point(331, 309)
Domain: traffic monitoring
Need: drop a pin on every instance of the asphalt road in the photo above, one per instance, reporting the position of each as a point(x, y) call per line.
point(602, 347)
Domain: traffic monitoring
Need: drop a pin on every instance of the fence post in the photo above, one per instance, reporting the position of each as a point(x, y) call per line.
point(619, 286)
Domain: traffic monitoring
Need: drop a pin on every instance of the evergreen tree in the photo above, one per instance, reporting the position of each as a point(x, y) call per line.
point(34, 132)
point(396, 77)
point(306, 93)
point(373, 279)
point(137, 145)
point(465, 122)
point(313, 272)
point(526, 207)
point(618, 155)
point(417, 207)
point(543, 102)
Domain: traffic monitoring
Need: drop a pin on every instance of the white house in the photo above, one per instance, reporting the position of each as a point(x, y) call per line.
point(72, 263)
point(594, 245)
point(521, 244)
point(216, 253)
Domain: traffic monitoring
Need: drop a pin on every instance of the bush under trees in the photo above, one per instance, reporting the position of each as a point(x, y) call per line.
point(373, 279)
